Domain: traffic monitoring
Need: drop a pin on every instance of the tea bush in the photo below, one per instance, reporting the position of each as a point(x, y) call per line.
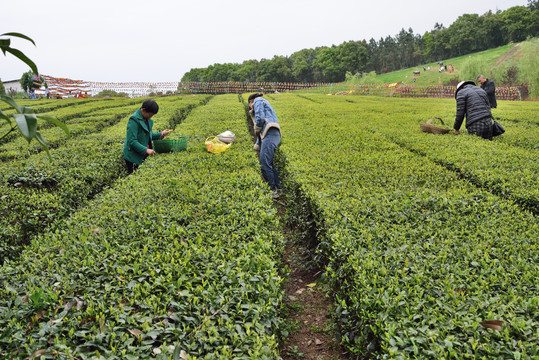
point(180, 258)
point(498, 166)
point(418, 256)
point(83, 118)
point(36, 192)
point(64, 109)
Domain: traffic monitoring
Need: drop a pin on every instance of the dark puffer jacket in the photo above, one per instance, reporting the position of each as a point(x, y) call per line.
point(472, 102)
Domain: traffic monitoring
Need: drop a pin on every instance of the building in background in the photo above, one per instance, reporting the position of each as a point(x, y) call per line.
point(12, 85)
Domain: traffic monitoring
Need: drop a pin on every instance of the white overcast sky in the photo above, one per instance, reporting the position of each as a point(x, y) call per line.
point(160, 40)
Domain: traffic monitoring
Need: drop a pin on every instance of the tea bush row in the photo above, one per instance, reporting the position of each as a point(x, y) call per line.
point(418, 257)
point(63, 110)
point(18, 148)
point(179, 259)
point(80, 121)
point(36, 192)
point(498, 166)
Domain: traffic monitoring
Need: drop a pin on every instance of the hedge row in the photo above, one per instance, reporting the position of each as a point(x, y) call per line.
point(36, 192)
point(62, 109)
point(15, 146)
point(80, 121)
point(497, 166)
point(177, 260)
point(18, 148)
point(518, 111)
point(521, 123)
point(44, 105)
point(417, 256)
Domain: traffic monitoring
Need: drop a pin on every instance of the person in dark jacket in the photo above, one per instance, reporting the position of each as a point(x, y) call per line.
point(489, 88)
point(139, 135)
point(472, 102)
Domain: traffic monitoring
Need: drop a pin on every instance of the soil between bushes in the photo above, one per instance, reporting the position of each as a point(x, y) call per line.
point(311, 330)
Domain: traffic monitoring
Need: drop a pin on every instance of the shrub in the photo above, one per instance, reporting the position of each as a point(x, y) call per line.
point(419, 256)
point(182, 257)
point(37, 194)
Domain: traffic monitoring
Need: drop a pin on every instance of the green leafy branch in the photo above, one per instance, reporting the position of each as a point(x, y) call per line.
point(25, 117)
point(5, 46)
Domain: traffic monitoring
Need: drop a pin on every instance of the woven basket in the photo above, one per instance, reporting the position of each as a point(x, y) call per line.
point(435, 129)
point(164, 146)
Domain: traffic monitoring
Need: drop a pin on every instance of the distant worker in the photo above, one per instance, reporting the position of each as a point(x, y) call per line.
point(268, 133)
point(473, 103)
point(489, 88)
point(139, 135)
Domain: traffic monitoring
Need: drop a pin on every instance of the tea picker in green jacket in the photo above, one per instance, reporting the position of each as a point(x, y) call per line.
point(139, 135)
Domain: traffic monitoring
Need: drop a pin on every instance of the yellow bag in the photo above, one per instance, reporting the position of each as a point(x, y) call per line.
point(215, 146)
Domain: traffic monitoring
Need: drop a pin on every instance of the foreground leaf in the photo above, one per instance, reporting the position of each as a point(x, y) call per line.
point(54, 121)
point(27, 124)
point(19, 35)
point(19, 54)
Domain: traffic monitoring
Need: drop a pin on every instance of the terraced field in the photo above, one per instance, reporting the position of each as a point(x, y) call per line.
point(429, 244)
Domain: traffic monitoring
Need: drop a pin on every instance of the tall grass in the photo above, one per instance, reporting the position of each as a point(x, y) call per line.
point(473, 67)
point(521, 68)
point(362, 78)
point(529, 67)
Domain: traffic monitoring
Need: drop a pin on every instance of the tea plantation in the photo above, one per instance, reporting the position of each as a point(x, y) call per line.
point(429, 243)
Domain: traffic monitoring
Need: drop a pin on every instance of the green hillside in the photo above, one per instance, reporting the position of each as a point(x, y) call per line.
point(433, 77)
point(493, 63)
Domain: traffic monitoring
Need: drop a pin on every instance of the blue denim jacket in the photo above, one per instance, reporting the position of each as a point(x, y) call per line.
point(264, 117)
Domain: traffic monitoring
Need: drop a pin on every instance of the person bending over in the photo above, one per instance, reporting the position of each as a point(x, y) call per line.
point(472, 103)
point(268, 133)
point(139, 135)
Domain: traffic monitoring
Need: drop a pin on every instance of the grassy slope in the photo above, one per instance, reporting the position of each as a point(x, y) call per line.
point(433, 77)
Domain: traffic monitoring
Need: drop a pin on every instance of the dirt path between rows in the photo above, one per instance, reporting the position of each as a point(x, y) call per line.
point(311, 330)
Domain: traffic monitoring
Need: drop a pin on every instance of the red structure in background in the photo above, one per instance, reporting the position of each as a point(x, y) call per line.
point(64, 88)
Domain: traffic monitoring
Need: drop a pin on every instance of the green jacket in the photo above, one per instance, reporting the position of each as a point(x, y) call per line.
point(138, 137)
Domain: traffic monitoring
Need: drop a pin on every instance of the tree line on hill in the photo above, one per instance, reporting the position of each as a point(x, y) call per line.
point(469, 33)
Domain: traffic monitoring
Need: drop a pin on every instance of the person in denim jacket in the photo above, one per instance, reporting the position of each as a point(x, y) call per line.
point(268, 133)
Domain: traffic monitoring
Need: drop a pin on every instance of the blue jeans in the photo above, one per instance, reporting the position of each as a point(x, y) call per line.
point(267, 151)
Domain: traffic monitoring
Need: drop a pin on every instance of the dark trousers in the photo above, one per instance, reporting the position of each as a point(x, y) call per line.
point(481, 128)
point(131, 166)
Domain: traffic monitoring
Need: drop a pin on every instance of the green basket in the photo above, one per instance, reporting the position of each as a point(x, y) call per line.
point(164, 146)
